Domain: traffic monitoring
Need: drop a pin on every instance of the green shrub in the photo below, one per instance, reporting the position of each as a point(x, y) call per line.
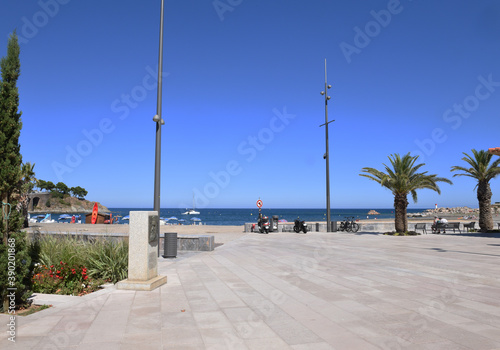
point(63, 279)
point(54, 249)
point(63, 202)
point(108, 260)
point(47, 203)
point(104, 259)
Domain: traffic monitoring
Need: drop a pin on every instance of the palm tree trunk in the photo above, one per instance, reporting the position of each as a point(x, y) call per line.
point(484, 199)
point(401, 221)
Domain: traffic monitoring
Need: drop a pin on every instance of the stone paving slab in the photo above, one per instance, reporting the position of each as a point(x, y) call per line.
point(290, 291)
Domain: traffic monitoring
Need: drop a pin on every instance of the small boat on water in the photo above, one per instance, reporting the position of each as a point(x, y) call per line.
point(47, 219)
point(35, 218)
point(64, 218)
point(191, 211)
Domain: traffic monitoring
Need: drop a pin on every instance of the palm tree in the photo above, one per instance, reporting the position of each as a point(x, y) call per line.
point(481, 170)
point(403, 179)
point(27, 183)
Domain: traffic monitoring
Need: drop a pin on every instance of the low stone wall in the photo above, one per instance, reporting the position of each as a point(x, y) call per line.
point(184, 242)
point(194, 242)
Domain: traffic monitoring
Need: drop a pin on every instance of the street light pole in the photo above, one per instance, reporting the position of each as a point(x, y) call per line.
point(327, 154)
point(159, 122)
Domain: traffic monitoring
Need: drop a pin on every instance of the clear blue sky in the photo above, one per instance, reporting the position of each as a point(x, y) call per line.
point(241, 97)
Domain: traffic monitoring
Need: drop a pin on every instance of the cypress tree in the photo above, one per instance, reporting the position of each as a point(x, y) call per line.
point(14, 246)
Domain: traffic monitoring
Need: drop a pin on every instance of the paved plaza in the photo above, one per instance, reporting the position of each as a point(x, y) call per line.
point(294, 291)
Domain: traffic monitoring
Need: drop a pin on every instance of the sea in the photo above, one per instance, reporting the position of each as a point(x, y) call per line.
point(241, 216)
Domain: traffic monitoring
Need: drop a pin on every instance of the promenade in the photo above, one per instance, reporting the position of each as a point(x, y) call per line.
point(293, 291)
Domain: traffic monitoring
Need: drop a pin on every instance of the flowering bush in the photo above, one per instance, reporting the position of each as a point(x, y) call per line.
point(62, 279)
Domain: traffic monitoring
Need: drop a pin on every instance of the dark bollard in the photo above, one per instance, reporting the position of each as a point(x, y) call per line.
point(170, 245)
point(333, 226)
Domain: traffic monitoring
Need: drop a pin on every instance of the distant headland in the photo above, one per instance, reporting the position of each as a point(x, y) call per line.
point(455, 211)
point(47, 202)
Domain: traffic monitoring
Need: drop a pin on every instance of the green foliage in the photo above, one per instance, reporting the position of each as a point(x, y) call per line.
point(479, 168)
point(63, 202)
point(402, 178)
point(54, 249)
point(63, 279)
point(47, 203)
point(108, 260)
point(79, 192)
point(104, 258)
point(62, 188)
point(408, 233)
point(13, 244)
point(49, 186)
point(15, 264)
point(10, 121)
point(41, 184)
point(57, 195)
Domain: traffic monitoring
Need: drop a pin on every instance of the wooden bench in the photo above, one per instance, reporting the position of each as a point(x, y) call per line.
point(421, 227)
point(470, 226)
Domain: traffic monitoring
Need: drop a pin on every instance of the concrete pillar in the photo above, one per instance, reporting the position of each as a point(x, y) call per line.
point(142, 254)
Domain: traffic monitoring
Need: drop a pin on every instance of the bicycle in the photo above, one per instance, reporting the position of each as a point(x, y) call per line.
point(344, 224)
point(349, 225)
point(353, 226)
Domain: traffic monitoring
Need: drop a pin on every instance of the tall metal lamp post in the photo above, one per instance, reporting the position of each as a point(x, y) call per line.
point(159, 122)
point(327, 154)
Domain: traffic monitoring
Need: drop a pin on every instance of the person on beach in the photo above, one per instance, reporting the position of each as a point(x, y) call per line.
point(434, 224)
point(444, 222)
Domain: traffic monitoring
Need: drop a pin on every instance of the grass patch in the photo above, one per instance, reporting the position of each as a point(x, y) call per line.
point(32, 309)
point(408, 233)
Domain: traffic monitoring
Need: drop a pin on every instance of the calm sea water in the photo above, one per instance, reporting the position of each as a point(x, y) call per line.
point(240, 216)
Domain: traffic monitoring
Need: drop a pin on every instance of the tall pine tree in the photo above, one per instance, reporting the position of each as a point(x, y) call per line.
point(13, 239)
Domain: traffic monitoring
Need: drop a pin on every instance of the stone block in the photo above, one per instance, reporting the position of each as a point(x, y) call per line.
point(144, 231)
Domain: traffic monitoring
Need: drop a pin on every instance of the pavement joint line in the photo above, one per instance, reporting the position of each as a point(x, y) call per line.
point(363, 272)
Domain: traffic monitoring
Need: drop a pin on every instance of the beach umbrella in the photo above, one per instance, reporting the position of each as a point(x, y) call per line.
point(172, 218)
point(126, 217)
point(195, 219)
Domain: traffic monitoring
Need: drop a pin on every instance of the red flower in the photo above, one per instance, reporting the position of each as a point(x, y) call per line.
point(84, 278)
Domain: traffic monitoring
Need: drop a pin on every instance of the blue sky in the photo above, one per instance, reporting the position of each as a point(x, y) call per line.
point(241, 97)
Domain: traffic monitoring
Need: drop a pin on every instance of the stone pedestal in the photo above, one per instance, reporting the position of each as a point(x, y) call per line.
point(143, 235)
